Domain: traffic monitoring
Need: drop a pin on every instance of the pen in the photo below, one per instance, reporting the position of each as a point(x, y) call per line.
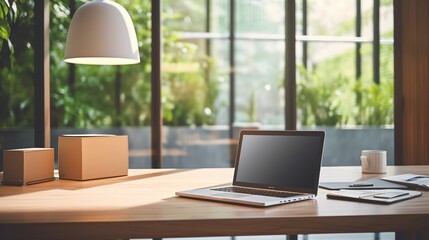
point(361, 185)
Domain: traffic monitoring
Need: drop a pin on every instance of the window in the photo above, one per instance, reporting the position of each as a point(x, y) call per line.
point(16, 75)
point(102, 99)
point(223, 69)
point(345, 75)
point(338, 89)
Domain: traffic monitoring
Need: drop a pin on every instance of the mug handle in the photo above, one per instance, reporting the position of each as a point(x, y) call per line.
point(365, 162)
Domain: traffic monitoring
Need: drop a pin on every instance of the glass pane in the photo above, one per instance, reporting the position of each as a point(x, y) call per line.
point(16, 76)
point(355, 112)
point(259, 96)
point(367, 19)
point(219, 12)
point(195, 86)
point(103, 99)
point(259, 64)
point(325, 88)
point(196, 73)
point(386, 19)
point(331, 18)
point(185, 15)
point(260, 16)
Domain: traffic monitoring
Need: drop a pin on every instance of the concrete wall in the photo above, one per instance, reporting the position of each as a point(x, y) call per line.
point(186, 147)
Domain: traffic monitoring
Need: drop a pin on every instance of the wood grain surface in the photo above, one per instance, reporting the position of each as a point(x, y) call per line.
point(144, 204)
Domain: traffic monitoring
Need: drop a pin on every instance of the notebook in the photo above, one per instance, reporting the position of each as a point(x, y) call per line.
point(271, 168)
point(411, 180)
point(381, 196)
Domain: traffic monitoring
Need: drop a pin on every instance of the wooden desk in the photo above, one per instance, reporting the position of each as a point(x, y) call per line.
point(143, 204)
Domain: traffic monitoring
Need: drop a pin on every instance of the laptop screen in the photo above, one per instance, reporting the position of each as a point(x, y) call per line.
point(282, 160)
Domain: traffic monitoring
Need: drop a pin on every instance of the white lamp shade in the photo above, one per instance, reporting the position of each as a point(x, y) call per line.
point(101, 33)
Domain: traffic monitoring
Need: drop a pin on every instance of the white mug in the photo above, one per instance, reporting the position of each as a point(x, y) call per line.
point(373, 161)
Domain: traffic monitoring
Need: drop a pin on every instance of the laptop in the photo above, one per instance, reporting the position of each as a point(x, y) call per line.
point(271, 168)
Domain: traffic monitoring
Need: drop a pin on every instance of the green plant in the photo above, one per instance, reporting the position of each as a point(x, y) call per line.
point(16, 84)
point(95, 96)
point(317, 99)
point(327, 101)
point(189, 95)
point(190, 79)
point(375, 107)
point(252, 107)
point(8, 15)
point(92, 96)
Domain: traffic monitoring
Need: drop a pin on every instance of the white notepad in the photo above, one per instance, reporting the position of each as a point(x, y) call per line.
point(382, 196)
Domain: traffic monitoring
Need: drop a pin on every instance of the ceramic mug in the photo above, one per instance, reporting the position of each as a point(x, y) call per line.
point(373, 161)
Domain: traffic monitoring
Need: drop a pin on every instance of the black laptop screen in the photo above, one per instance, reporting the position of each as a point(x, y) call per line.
point(280, 161)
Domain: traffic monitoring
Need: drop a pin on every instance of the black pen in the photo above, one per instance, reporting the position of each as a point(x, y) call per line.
point(361, 185)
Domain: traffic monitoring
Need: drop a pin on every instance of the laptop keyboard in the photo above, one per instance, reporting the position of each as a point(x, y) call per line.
point(256, 192)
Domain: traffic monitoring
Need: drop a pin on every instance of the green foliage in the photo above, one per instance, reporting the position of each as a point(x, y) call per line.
point(189, 94)
point(96, 96)
point(6, 16)
point(327, 97)
point(189, 81)
point(317, 99)
point(329, 93)
point(386, 3)
point(121, 96)
point(252, 107)
point(334, 101)
point(4, 25)
point(16, 84)
point(375, 107)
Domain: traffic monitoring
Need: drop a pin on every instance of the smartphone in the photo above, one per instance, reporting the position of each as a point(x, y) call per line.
point(388, 195)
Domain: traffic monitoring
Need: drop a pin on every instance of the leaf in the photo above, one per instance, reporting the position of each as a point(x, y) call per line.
point(4, 32)
point(3, 10)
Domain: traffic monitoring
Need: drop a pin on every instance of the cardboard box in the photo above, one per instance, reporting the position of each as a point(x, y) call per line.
point(28, 166)
point(85, 157)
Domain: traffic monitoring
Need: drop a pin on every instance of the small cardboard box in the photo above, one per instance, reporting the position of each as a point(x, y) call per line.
point(28, 166)
point(85, 157)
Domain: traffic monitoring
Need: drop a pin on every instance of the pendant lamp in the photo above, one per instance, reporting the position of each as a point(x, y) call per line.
point(101, 33)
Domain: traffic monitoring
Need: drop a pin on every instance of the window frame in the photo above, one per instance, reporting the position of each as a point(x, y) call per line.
point(42, 85)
